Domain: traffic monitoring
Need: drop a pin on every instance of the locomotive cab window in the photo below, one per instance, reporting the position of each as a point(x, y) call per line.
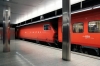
point(78, 28)
point(46, 27)
point(94, 27)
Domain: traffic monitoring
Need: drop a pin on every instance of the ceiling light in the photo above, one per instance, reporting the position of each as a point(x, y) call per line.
point(6, 10)
point(76, 1)
point(7, 0)
point(87, 9)
point(96, 7)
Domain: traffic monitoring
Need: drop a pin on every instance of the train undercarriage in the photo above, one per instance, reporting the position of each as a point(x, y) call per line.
point(74, 47)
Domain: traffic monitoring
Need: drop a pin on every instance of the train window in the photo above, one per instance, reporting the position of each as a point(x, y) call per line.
point(46, 27)
point(78, 28)
point(94, 27)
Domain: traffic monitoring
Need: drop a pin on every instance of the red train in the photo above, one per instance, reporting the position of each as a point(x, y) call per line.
point(84, 31)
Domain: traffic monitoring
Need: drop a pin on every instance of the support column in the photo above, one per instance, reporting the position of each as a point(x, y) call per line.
point(6, 29)
point(66, 49)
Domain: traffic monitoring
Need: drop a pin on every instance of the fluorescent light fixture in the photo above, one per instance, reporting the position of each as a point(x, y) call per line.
point(6, 10)
point(98, 6)
point(82, 10)
point(76, 1)
point(45, 8)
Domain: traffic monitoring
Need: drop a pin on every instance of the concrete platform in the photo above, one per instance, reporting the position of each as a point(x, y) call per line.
point(31, 54)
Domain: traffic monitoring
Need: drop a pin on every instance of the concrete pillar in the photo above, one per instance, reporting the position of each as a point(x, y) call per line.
point(66, 49)
point(6, 29)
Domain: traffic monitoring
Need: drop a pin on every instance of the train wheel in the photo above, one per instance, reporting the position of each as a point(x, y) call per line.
point(56, 43)
point(86, 52)
point(60, 45)
point(37, 41)
point(99, 52)
point(74, 48)
point(49, 44)
point(79, 48)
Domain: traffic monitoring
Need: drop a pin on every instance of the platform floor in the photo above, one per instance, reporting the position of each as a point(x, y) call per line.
point(31, 54)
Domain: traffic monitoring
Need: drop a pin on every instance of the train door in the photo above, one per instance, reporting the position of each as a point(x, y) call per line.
point(94, 31)
point(47, 31)
point(78, 31)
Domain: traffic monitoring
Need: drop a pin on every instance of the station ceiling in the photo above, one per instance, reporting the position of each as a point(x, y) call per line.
point(19, 8)
point(22, 9)
point(26, 9)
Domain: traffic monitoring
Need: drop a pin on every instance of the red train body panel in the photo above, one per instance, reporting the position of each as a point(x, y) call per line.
point(37, 32)
point(85, 38)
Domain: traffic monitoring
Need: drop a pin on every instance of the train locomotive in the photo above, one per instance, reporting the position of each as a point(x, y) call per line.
point(84, 31)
